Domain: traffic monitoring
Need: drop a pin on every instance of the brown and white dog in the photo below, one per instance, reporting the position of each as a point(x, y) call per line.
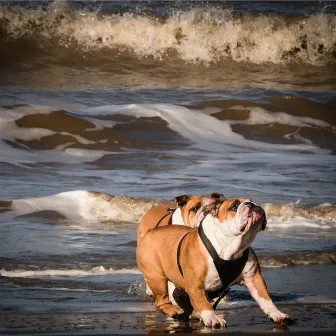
point(205, 261)
point(190, 211)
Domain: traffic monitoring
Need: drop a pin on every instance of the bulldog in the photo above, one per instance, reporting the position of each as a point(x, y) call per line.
point(186, 213)
point(205, 261)
point(190, 211)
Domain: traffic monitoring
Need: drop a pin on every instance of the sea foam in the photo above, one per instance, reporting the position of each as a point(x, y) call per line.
point(205, 35)
point(102, 207)
point(95, 271)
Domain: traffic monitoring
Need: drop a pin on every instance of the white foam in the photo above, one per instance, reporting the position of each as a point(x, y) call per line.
point(66, 289)
point(96, 271)
point(280, 223)
point(295, 135)
point(291, 215)
point(82, 204)
point(198, 35)
point(259, 116)
point(96, 207)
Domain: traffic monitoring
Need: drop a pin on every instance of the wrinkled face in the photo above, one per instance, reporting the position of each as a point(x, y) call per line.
point(242, 216)
point(195, 208)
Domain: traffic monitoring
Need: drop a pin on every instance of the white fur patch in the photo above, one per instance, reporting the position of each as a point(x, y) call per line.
point(212, 280)
point(177, 217)
point(210, 319)
point(207, 314)
point(171, 288)
point(268, 307)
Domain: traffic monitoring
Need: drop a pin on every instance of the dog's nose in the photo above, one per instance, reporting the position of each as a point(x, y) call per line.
point(250, 205)
point(256, 208)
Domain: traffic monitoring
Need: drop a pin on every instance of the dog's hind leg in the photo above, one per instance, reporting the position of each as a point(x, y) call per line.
point(150, 264)
point(159, 287)
point(149, 292)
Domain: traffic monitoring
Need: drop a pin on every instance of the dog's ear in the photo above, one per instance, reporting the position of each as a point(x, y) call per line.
point(263, 227)
point(217, 195)
point(215, 207)
point(182, 200)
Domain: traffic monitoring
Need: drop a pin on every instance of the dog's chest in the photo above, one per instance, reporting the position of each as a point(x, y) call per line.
point(229, 275)
point(212, 280)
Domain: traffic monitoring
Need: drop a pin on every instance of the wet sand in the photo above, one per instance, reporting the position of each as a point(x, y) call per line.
point(308, 318)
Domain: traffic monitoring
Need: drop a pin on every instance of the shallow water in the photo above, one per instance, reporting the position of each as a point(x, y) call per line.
point(142, 102)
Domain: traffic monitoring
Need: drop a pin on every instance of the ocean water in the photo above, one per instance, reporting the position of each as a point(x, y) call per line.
point(108, 108)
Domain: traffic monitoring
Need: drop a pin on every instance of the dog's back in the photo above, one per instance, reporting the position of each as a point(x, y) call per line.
point(150, 220)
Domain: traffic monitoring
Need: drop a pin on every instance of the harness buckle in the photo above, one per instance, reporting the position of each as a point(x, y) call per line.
point(171, 210)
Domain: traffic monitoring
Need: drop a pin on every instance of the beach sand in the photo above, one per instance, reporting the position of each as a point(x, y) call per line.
point(308, 318)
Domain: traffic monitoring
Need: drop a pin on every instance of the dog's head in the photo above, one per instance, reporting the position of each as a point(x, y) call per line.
point(195, 208)
point(241, 216)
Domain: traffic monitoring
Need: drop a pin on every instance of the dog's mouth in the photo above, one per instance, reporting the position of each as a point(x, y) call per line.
point(253, 216)
point(200, 217)
point(201, 214)
point(203, 211)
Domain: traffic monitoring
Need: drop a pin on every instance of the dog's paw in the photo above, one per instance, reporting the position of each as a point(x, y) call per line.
point(175, 312)
point(211, 320)
point(149, 292)
point(195, 315)
point(281, 318)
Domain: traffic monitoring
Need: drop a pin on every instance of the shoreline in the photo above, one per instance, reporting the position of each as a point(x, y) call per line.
point(316, 318)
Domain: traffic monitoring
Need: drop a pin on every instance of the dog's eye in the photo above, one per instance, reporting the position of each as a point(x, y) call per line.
point(196, 207)
point(235, 206)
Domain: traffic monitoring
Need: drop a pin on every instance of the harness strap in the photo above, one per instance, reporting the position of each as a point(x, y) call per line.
point(214, 255)
point(170, 222)
point(170, 211)
point(178, 254)
point(220, 297)
point(207, 243)
point(161, 219)
point(228, 270)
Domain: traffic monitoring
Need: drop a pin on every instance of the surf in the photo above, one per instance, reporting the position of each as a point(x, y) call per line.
point(194, 36)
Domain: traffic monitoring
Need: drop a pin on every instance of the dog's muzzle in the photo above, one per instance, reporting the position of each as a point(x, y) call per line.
point(257, 213)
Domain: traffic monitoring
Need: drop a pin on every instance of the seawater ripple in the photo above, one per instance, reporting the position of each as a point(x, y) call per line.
point(285, 259)
point(49, 134)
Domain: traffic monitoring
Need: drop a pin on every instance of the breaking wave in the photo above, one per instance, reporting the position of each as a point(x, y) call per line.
point(97, 206)
point(199, 35)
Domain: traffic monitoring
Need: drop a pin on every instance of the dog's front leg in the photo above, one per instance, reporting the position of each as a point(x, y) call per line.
point(203, 307)
point(258, 290)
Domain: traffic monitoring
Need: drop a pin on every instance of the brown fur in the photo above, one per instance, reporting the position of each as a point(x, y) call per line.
point(159, 264)
point(151, 219)
point(224, 212)
point(259, 284)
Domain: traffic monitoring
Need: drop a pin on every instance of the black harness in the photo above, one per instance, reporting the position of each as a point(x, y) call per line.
point(170, 211)
point(228, 270)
